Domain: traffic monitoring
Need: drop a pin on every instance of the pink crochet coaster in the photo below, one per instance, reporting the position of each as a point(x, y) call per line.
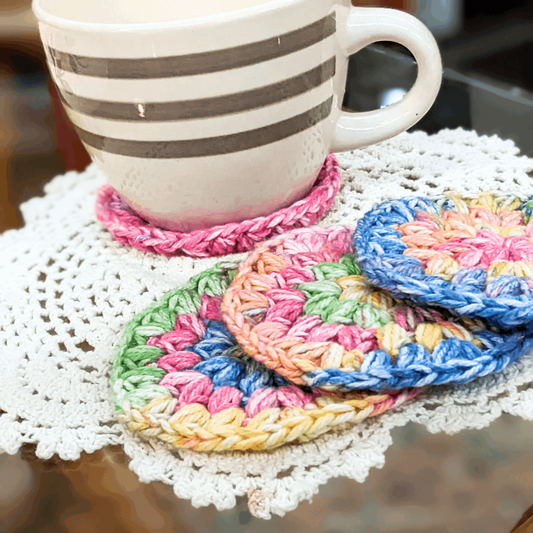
point(129, 228)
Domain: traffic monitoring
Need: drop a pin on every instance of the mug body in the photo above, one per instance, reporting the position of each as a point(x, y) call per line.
point(207, 120)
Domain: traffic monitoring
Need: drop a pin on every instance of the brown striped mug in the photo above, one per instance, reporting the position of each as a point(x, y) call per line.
point(202, 112)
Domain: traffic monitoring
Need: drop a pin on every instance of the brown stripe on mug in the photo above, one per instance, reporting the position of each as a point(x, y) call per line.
point(224, 144)
point(204, 107)
point(198, 63)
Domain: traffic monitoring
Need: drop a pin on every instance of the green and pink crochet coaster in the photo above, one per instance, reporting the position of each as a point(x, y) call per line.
point(180, 377)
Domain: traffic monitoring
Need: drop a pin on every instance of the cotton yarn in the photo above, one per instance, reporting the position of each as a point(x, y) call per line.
point(69, 288)
point(179, 376)
point(300, 306)
point(128, 228)
point(470, 254)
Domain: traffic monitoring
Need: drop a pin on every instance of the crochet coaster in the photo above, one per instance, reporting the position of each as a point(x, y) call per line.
point(179, 376)
point(472, 255)
point(301, 306)
point(129, 228)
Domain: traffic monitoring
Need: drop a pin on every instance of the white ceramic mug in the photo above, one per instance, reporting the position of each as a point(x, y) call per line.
point(202, 112)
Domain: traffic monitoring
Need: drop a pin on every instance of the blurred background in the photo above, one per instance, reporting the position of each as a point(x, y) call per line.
point(478, 481)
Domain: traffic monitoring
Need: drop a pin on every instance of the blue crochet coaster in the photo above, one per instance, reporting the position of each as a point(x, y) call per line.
point(473, 256)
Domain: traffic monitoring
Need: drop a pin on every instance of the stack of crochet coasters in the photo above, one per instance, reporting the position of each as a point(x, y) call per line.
point(293, 343)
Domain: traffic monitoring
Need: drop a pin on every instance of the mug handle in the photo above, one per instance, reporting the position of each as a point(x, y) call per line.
point(365, 26)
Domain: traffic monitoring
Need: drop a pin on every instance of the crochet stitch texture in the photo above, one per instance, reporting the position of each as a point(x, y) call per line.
point(300, 306)
point(180, 376)
point(68, 290)
point(471, 255)
point(129, 228)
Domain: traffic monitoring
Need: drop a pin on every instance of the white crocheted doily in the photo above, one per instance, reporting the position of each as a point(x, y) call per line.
point(67, 289)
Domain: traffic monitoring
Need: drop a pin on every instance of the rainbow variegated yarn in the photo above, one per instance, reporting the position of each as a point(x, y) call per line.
point(301, 306)
point(473, 256)
point(180, 377)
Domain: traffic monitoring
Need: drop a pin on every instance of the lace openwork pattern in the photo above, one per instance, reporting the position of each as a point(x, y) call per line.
point(68, 289)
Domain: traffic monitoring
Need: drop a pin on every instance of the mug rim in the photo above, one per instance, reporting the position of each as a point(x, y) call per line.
point(45, 17)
